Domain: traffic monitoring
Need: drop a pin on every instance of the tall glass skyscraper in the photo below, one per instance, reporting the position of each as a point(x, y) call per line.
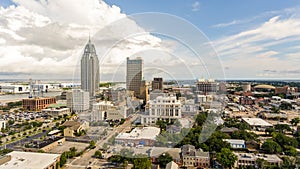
point(134, 75)
point(90, 69)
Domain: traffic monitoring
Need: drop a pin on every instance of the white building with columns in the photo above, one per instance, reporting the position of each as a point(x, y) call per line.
point(166, 108)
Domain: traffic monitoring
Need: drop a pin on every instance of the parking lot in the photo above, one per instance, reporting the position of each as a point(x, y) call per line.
point(67, 145)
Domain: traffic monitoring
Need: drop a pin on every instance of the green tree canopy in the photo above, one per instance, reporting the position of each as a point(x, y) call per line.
point(98, 154)
point(295, 121)
point(226, 158)
point(164, 159)
point(270, 146)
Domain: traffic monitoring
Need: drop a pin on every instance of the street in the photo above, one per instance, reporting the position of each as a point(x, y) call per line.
point(86, 159)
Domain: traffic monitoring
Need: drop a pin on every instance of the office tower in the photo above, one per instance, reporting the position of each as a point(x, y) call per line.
point(90, 70)
point(78, 100)
point(157, 84)
point(134, 75)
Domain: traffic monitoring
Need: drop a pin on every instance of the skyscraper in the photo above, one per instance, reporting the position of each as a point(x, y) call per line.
point(157, 84)
point(90, 69)
point(134, 75)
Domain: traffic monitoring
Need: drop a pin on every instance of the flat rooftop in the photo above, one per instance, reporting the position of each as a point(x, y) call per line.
point(234, 141)
point(141, 133)
point(257, 122)
point(29, 160)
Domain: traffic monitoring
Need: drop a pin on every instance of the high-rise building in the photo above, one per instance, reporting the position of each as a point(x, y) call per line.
point(157, 84)
point(90, 70)
point(78, 100)
point(134, 75)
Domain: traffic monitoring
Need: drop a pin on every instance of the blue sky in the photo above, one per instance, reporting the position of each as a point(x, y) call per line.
point(206, 14)
point(257, 39)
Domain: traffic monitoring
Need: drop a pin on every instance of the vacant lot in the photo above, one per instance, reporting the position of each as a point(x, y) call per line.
point(67, 145)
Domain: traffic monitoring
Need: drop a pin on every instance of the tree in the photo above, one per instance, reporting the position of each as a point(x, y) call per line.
point(92, 144)
point(282, 128)
point(105, 147)
point(116, 159)
point(164, 159)
point(243, 134)
point(261, 163)
point(226, 158)
point(269, 130)
point(295, 121)
point(141, 161)
point(270, 146)
point(284, 140)
point(162, 124)
point(288, 162)
point(72, 152)
point(126, 153)
point(98, 154)
point(201, 118)
point(290, 151)
point(216, 143)
point(63, 159)
point(11, 122)
point(286, 106)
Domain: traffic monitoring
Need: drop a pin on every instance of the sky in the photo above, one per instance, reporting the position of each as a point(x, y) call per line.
point(177, 39)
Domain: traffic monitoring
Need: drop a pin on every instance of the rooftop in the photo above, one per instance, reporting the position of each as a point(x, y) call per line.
point(234, 141)
point(141, 133)
point(257, 122)
point(29, 160)
point(271, 158)
point(264, 86)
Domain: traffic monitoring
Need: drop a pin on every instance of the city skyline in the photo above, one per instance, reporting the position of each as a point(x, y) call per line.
point(264, 34)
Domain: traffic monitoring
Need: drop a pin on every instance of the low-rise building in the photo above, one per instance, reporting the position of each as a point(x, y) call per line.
point(236, 143)
point(56, 111)
point(18, 159)
point(37, 104)
point(271, 159)
point(73, 127)
point(139, 136)
point(245, 159)
point(162, 108)
point(257, 123)
point(250, 159)
point(99, 110)
point(194, 158)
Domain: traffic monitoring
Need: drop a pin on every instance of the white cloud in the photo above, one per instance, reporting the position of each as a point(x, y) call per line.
point(220, 25)
point(264, 47)
point(196, 6)
point(47, 37)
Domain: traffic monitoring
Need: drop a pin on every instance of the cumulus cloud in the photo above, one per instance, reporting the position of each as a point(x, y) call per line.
point(46, 38)
point(271, 45)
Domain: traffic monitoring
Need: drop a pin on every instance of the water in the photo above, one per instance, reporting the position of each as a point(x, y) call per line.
point(17, 97)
